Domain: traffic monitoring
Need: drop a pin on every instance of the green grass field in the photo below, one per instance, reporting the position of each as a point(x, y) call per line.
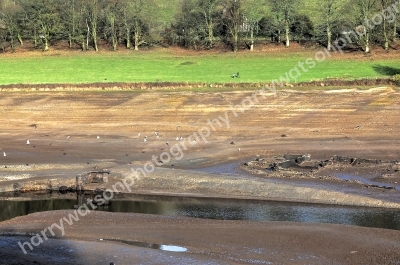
point(166, 66)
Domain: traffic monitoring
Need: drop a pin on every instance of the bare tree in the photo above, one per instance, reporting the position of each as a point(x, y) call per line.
point(11, 15)
point(208, 9)
point(43, 18)
point(111, 15)
point(253, 12)
point(143, 11)
point(127, 21)
point(72, 16)
point(366, 9)
point(92, 16)
point(330, 11)
point(388, 21)
point(285, 9)
point(233, 20)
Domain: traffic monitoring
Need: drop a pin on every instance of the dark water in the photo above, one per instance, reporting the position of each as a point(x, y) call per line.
point(229, 169)
point(224, 209)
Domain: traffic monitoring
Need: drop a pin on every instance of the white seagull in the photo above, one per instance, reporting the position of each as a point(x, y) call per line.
point(4, 153)
point(28, 142)
point(98, 137)
point(177, 138)
point(68, 137)
point(145, 139)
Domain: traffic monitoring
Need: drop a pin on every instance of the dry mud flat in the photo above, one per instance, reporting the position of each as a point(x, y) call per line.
point(360, 123)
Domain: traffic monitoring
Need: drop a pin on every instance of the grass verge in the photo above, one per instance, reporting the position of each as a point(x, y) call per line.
point(167, 66)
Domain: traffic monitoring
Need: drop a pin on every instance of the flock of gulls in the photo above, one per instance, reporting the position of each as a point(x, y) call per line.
point(145, 139)
point(157, 135)
point(28, 142)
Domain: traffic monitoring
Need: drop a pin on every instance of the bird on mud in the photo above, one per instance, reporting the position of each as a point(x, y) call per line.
point(167, 143)
point(145, 139)
point(28, 142)
point(98, 137)
point(4, 153)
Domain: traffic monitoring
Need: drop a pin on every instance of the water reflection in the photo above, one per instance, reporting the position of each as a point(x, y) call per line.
point(170, 248)
point(11, 209)
point(214, 209)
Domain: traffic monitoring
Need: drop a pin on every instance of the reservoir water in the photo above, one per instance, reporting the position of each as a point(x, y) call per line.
point(223, 209)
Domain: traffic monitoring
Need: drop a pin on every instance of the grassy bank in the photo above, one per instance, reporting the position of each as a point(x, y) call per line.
point(167, 66)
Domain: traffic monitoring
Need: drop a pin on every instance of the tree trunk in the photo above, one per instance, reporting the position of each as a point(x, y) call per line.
point(210, 28)
point(128, 38)
point(385, 35)
point(20, 39)
point(93, 18)
point(287, 33)
point(329, 33)
point(252, 38)
point(12, 43)
point(35, 42)
point(235, 41)
point(367, 48)
point(113, 33)
point(46, 44)
point(94, 35)
point(137, 35)
point(210, 35)
point(115, 43)
point(137, 41)
point(87, 35)
point(279, 36)
point(72, 33)
point(386, 46)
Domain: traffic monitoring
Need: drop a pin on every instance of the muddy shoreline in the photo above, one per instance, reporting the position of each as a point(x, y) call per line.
point(361, 124)
point(206, 241)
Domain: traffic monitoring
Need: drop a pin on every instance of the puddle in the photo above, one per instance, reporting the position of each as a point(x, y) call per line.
point(224, 169)
point(173, 248)
point(367, 181)
point(170, 248)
